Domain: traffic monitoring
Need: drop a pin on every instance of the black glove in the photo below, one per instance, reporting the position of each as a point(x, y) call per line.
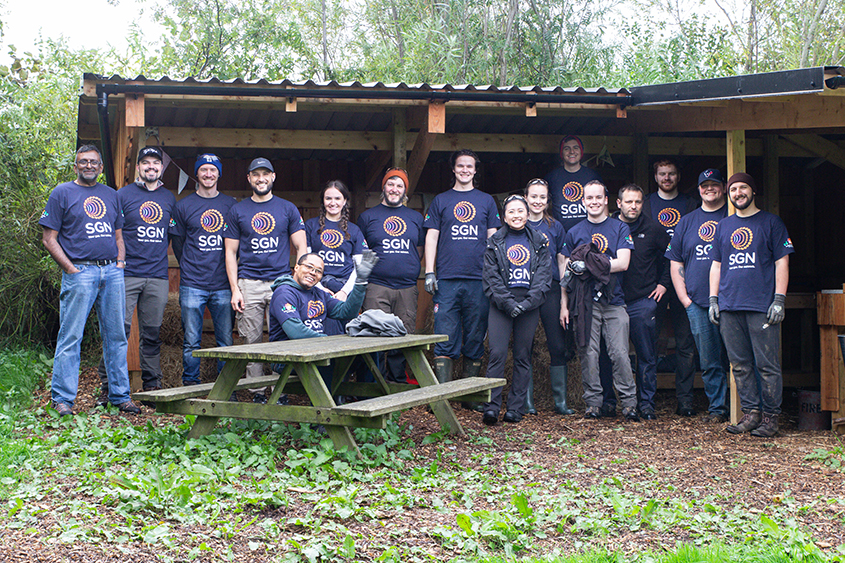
point(516, 311)
point(777, 310)
point(431, 283)
point(713, 312)
point(577, 267)
point(369, 259)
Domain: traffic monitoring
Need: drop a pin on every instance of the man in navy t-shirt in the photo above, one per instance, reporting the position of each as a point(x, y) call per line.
point(458, 224)
point(566, 183)
point(258, 237)
point(146, 206)
point(196, 234)
point(748, 280)
point(83, 233)
point(395, 233)
point(613, 238)
point(690, 256)
point(666, 206)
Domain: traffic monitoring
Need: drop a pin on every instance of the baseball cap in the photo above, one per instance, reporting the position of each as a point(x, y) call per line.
point(154, 152)
point(711, 174)
point(260, 163)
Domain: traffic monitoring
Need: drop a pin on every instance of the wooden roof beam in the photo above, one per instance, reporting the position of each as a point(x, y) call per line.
point(433, 123)
point(820, 146)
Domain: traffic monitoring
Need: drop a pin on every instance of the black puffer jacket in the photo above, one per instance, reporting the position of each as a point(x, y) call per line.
point(494, 279)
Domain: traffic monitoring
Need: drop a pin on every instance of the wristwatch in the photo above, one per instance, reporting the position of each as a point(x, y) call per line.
point(121, 262)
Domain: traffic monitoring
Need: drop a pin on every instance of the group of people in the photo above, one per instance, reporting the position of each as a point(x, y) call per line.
point(597, 282)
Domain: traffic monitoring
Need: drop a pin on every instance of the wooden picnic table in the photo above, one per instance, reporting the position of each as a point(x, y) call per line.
point(300, 375)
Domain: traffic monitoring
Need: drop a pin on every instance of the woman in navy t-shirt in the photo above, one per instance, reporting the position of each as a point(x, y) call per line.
point(537, 196)
point(516, 276)
point(338, 242)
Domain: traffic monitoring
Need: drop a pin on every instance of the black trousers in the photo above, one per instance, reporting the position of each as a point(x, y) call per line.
point(500, 327)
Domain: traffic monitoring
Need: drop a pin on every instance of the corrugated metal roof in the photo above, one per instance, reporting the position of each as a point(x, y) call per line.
point(333, 84)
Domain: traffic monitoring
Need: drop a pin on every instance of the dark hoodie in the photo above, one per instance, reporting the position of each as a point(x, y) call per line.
point(296, 312)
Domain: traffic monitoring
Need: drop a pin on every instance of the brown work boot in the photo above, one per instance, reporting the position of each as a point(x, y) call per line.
point(768, 427)
point(749, 421)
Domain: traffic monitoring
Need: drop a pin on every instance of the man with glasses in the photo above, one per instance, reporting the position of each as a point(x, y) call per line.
point(83, 233)
point(298, 309)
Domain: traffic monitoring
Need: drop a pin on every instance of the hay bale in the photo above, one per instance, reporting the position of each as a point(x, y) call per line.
point(171, 324)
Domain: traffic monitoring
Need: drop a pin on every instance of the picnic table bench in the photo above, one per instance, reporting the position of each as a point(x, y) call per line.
point(300, 375)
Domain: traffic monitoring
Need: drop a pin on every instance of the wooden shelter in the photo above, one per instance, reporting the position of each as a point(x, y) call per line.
point(785, 128)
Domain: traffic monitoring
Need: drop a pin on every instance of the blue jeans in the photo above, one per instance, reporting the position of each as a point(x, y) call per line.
point(193, 303)
point(642, 314)
point(460, 312)
point(711, 357)
point(92, 285)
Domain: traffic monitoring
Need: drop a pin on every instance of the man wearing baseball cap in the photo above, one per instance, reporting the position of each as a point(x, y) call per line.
point(258, 236)
point(395, 233)
point(196, 234)
point(690, 257)
point(748, 280)
point(146, 206)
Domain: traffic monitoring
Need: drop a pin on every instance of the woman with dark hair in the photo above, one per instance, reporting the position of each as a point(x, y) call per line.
point(516, 277)
point(537, 196)
point(336, 240)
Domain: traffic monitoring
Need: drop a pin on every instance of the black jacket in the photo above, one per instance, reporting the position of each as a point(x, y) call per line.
point(648, 266)
point(592, 285)
point(494, 278)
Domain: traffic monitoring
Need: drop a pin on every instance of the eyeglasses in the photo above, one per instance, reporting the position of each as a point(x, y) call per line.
point(84, 163)
point(310, 268)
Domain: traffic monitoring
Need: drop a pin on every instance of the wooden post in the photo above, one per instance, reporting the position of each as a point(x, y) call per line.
point(736, 163)
point(400, 135)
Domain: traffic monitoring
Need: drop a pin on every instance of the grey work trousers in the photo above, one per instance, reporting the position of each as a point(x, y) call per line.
point(149, 295)
point(610, 321)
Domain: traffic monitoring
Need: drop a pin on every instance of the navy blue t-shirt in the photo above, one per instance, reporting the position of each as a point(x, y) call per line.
point(146, 221)
point(748, 248)
point(200, 222)
point(264, 230)
point(462, 219)
point(517, 249)
point(668, 212)
point(610, 236)
point(691, 245)
point(555, 234)
point(566, 190)
point(85, 219)
point(334, 247)
point(311, 306)
point(394, 233)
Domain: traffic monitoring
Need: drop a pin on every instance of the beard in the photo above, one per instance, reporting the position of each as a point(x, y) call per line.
point(262, 191)
point(745, 204)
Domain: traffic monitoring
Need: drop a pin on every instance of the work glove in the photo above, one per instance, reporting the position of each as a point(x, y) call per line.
point(777, 310)
point(364, 268)
point(713, 312)
point(577, 267)
point(431, 283)
point(516, 311)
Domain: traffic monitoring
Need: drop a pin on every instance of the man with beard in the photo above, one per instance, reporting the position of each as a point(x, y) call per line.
point(748, 280)
point(258, 237)
point(691, 256)
point(146, 206)
point(395, 233)
point(644, 284)
point(666, 206)
point(83, 233)
point(196, 236)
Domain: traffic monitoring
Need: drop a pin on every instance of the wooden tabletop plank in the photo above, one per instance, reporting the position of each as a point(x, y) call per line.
point(314, 349)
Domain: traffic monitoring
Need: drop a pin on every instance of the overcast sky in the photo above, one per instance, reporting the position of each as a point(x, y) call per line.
point(92, 24)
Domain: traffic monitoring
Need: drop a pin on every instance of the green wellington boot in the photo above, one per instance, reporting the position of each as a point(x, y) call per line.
point(443, 369)
point(529, 397)
point(558, 377)
point(472, 368)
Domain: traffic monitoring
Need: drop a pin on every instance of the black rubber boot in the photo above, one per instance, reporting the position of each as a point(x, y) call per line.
point(472, 368)
point(558, 379)
point(443, 369)
point(529, 397)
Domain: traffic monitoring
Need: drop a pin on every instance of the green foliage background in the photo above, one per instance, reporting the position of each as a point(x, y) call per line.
point(588, 43)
